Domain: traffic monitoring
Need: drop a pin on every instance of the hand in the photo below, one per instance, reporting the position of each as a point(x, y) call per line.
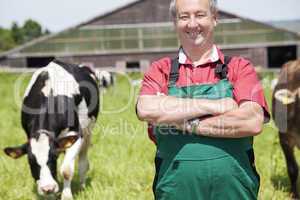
point(226, 104)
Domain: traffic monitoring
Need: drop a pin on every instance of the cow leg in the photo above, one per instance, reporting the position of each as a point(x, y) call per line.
point(292, 166)
point(67, 168)
point(83, 165)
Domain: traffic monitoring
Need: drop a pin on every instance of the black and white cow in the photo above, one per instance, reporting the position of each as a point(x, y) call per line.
point(106, 79)
point(59, 109)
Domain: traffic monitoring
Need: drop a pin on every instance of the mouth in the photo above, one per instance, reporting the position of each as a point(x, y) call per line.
point(196, 37)
point(47, 190)
point(194, 34)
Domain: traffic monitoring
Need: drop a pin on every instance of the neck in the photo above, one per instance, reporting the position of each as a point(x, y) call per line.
point(199, 55)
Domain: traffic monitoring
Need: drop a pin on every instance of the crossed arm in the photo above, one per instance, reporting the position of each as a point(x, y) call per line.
point(226, 119)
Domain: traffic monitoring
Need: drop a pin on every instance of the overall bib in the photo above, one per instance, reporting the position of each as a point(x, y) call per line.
point(193, 167)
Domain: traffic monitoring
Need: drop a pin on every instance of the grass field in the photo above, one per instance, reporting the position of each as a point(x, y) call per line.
point(121, 155)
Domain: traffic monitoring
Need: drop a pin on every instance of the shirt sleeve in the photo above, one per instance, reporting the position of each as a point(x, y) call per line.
point(154, 81)
point(248, 87)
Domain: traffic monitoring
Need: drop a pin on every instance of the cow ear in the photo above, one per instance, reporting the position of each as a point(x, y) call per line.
point(16, 152)
point(285, 96)
point(66, 142)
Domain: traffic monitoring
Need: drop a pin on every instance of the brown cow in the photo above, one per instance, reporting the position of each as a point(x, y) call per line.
point(285, 110)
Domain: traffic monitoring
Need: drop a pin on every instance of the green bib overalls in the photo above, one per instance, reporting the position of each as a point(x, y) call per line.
point(193, 167)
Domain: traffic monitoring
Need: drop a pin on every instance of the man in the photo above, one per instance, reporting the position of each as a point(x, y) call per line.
point(205, 109)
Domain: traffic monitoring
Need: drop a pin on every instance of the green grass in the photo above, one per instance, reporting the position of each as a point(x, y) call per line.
point(121, 156)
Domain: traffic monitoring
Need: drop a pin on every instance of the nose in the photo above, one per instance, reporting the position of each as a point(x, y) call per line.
point(48, 189)
point(192, 22)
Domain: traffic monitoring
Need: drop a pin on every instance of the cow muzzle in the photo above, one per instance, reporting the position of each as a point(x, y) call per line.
point(47, 189)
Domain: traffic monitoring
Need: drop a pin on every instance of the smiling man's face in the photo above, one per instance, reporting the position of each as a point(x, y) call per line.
point(194, 23)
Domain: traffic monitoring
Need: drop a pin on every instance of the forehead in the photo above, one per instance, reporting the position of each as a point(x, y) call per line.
point(183, 6)
point(40, 148)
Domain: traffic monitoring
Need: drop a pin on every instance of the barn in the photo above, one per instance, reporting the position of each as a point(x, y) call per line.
point(291, 25)
point(131, 36)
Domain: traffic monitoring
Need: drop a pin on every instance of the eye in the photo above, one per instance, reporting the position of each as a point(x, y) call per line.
point(183, 17)
point(200, 15)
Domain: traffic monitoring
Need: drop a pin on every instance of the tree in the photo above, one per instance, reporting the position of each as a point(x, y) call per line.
point(6, 40)
point(31, 30)
point(47, 32)
point(17, 33)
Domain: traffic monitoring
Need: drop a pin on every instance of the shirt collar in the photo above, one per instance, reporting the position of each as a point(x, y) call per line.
point(214, 56)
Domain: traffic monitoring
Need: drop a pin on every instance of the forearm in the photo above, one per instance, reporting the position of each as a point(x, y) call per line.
point(170, 110)
point(242, 122)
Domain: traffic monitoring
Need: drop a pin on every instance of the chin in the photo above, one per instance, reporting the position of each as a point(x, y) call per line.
point(199, 41)
point(197, 44)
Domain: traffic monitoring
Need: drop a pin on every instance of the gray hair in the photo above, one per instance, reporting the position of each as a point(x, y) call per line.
point(173, 10)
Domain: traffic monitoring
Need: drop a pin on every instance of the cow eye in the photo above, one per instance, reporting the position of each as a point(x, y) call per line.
point(53, 151)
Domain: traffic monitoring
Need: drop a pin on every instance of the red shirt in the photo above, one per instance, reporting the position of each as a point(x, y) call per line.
point(241, 74)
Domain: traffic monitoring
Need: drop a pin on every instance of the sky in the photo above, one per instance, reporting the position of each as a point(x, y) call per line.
point(57, 15)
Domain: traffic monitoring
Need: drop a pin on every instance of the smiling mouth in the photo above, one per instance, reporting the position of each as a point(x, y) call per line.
point(194, 35)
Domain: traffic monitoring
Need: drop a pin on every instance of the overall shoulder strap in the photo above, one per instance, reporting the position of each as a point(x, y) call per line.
point(174, 74)
point(222, 69)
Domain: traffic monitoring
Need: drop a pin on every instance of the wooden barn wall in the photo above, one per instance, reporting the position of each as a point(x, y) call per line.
point(146, 11)
point(14, 62)
point(112, 60)
point(257, 56)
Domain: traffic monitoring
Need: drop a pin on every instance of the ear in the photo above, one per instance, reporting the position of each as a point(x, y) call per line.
point(215, 22)
point(66, 142)
point(16, 152)
point(215, 17)
point(285, 96)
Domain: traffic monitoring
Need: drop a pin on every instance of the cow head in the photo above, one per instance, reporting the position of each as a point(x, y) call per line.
point(106, 79)
point(285, 106)
point(42, 151)
point(285, 99)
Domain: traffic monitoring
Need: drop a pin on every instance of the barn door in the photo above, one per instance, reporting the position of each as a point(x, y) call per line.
point(279, 55)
